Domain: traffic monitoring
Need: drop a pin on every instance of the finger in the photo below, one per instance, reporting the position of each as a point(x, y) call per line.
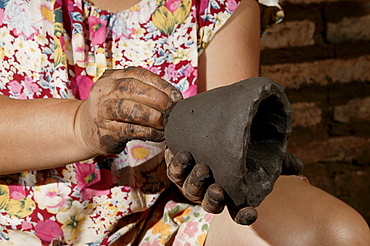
point(180, 167)
point(118, 133)
point(125, 110)
point(291, 165)
point(197, 182)
point(168, 156)
point(153, 80)
point(136, 90)
point(246, 216)
point(214, 199)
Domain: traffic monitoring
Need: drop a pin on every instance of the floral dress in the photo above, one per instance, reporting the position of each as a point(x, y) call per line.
point(59, 48)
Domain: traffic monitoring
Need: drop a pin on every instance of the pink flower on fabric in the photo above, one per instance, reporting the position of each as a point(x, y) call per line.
point(203, 5)
point(98, 30)
point(188, 70)
point(84, 85)
point(208, 217)
point(99, 188)
point(191, 228)
point(31, 86)
point(15, 87)
point(22, 96)
point(170, 205)
point(191, 91)
point(86, 175)
point(1, 16)
point(153, 243)
point(154, 70)
point(90, 183)
point(172, 72)
point(173, 5)
point(48, 230)
point(17, 192)
point(26, 225)
point(232, 5)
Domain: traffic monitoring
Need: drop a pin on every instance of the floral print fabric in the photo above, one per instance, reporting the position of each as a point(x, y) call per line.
point(59, 48)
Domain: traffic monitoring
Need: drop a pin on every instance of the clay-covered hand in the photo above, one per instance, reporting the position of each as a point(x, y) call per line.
point(124, 104)
point(197, 184)
point(291, 165)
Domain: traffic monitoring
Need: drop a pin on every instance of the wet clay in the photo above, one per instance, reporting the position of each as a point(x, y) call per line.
point(240, 131)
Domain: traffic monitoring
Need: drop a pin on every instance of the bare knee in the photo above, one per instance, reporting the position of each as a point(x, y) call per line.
point(345, 227)
point(306, 215)
point(295, 213)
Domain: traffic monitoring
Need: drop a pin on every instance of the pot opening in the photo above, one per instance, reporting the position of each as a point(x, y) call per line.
point(270, 121)
point(265, 148)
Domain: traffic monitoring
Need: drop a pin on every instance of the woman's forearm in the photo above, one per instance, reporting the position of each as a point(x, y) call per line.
point(38, 134)
point(123, 104)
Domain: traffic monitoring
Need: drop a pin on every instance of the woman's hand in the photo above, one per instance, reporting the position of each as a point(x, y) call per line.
point(124, 104)
point(197, 184)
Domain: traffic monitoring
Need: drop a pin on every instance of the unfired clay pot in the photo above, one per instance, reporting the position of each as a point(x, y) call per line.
point(241, 131)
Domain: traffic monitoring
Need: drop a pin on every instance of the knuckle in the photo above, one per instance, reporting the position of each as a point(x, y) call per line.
point(216, 193)
point(107, 108)
point(126, 85)
point(108, 73)
point(156, 135)
point(136, 72)
point(211, 205)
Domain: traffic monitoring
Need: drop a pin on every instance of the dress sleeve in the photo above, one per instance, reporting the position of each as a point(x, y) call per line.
point(271, 14)
point(213, 14)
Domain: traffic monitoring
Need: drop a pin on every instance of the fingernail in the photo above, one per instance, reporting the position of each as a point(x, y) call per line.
point(175, 95)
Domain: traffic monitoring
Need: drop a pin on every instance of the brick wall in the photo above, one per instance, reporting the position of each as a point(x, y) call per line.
point(320, 53)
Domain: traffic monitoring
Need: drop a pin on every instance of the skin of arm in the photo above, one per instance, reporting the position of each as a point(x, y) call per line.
point(234, 52)
point(34, 131)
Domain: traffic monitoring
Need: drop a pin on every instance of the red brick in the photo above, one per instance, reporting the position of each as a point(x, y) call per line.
point(323, 72)
point(349, 29)
point(332, 150)
point(306, 114)
point(354, 110)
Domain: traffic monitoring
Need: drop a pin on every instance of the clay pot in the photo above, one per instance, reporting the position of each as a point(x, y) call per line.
point(241, 131)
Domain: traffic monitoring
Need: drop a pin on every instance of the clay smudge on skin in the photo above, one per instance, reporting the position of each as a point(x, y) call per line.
point(246, 216)
point(175, 95)
point(136, 112)
point(180, 167)
point(156, 136)
point(136, 116)
point(111, 145)
point(157, 82)
point(214, 199)
point(199, 178)
point(131, 131)
point(129, 85)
